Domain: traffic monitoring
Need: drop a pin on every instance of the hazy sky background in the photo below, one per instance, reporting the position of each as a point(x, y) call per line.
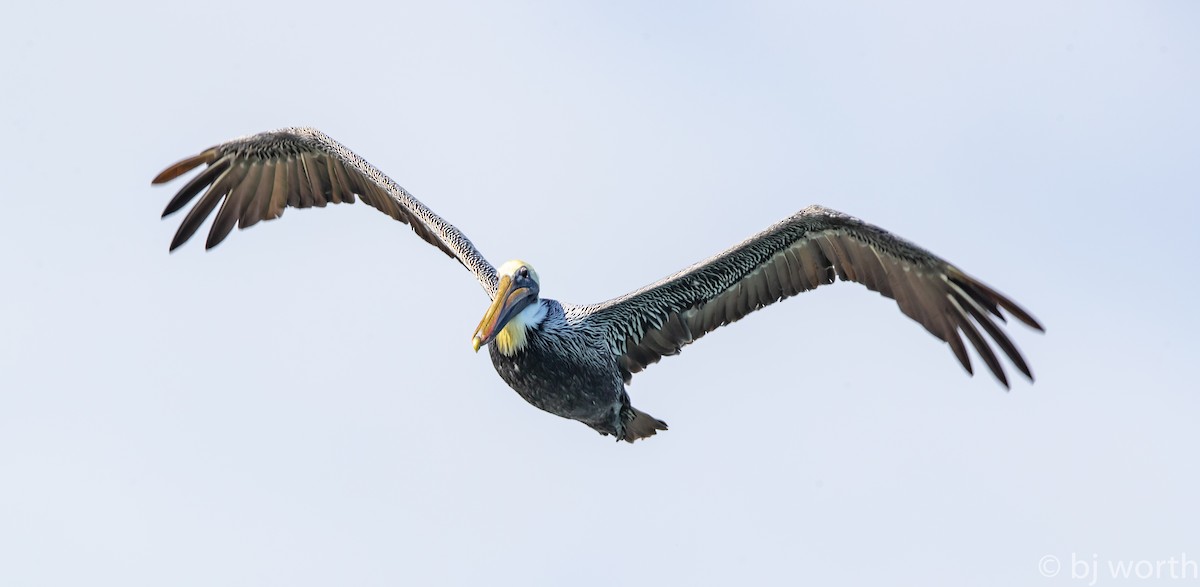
point(301, 405)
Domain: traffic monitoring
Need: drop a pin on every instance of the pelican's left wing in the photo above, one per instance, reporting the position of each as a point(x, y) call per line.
point(798, 254)
point(256, 177)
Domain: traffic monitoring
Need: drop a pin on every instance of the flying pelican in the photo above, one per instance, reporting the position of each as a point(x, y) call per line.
point(575, 360)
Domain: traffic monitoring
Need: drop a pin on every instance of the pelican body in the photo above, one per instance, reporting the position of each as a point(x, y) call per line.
point(574, 361)
point(552, 362)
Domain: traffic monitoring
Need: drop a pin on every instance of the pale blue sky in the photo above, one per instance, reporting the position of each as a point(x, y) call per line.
point(301, 406)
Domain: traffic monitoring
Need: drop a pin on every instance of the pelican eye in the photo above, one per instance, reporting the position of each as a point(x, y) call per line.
point(523, 272)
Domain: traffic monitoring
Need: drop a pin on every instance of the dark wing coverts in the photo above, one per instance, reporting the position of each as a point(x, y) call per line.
point(256, 177)
point(798, 254)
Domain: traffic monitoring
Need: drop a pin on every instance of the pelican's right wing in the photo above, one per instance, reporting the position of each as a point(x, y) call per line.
point(256, 177)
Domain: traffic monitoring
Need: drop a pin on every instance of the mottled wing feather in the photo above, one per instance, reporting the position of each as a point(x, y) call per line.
point(256, 178)
point(801, 253)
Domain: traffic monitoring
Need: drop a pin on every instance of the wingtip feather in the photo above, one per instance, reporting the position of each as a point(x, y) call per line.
point(184, 166)
point(998, 298)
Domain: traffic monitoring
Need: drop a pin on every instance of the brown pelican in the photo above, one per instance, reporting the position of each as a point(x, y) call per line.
point(575, 360)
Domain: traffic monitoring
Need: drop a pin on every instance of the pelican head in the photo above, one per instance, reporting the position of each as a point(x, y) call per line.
point(504, 320)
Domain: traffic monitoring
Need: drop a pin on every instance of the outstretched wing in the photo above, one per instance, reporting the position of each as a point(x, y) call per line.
point(798, 254)
point(256, 177)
